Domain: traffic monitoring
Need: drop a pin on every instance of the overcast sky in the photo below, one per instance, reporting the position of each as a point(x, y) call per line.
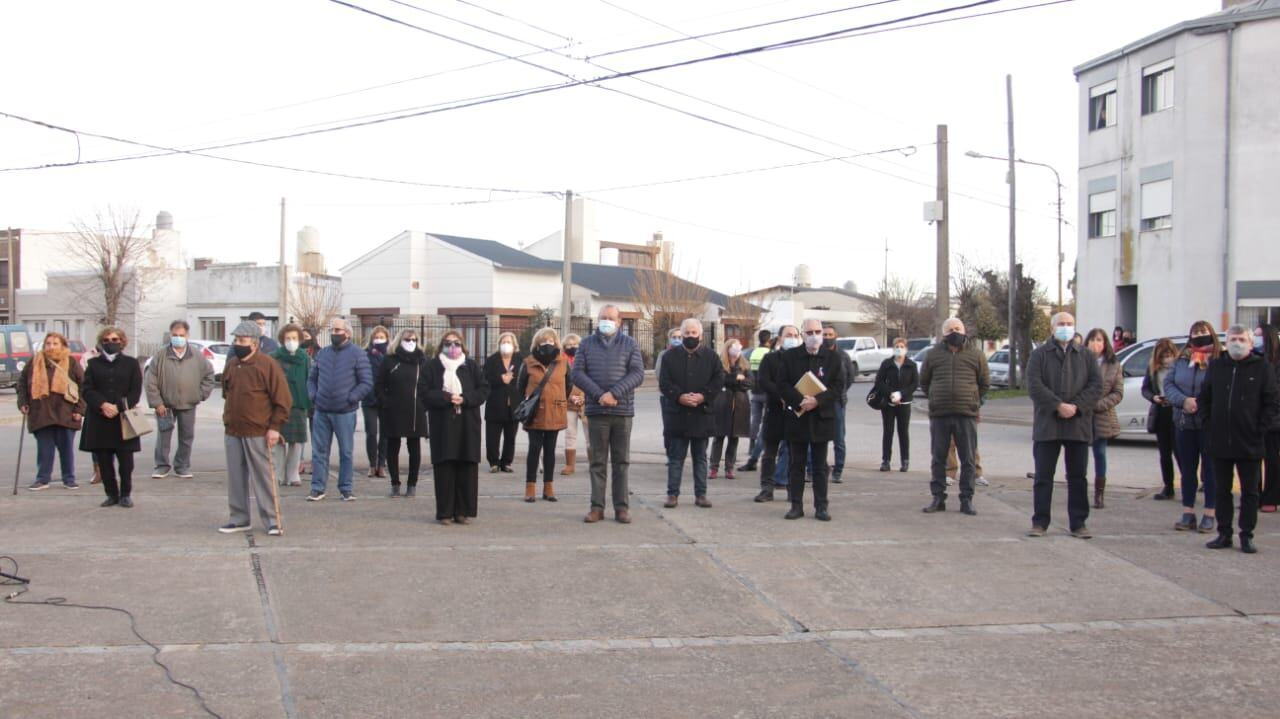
point(188, 75)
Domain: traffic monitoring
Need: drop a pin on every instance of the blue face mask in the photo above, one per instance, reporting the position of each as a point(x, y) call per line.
point(178, 342)
point(789, 343)
point(608, 327)
point(675, 341)
point(1064, 333)
point(1259, 342)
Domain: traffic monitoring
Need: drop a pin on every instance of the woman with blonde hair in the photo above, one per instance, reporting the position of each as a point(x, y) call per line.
point(112, 385)
point(732, 409)
point(455, 389)
point(500, 371)
point(1191, 437)
point(545, 368)
point(1160, 413)
point(577, 419)
point(49, 395)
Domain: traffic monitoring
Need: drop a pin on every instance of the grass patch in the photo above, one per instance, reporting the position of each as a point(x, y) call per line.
point(1006, 393)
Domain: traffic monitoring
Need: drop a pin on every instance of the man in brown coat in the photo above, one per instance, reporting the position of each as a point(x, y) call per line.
point(256, 405)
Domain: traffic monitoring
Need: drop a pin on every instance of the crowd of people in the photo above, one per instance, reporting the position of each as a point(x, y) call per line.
point(1214, 410)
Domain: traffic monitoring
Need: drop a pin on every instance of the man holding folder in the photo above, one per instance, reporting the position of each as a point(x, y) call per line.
point(810, 381)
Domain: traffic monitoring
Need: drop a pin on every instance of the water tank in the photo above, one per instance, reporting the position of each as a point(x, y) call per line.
point(803, 277)
point(308, 240)
point(164, 221)
point(851, 286)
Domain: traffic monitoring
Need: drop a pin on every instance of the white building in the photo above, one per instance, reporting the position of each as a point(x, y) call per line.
point(1179, 170)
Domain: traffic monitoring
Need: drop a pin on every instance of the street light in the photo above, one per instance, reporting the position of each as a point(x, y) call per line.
point(1057, 179)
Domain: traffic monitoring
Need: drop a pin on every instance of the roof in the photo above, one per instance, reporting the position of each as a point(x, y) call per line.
point(796, 290)
point(498, 253)
point(1244, 12)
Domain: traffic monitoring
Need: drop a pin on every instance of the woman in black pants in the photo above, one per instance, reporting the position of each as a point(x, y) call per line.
point(112, 384)
point(1160, 413)
point(375, 439)
point(896, 382)
point(552, 414)
point(455, 389)
point(401, 389)
point(501, 370)
point(1266, 339)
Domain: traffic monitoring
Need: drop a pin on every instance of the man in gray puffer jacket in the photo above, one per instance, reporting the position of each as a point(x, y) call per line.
point(1065, 384)
point(178, 378)
point(955, 379)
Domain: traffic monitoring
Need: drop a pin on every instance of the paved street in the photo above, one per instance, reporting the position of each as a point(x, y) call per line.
point(369, 609)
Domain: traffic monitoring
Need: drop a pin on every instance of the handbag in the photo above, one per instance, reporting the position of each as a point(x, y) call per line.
point(528, 406)
point(134, 423)
point(875, 400)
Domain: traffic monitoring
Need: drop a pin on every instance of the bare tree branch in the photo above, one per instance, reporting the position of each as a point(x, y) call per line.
point(313, 302)
point(117, 256)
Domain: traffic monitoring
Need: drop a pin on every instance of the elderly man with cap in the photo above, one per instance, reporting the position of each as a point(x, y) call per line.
point(256, 405)
point(955, 379)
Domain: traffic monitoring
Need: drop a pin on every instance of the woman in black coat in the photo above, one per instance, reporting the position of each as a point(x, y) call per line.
point(455, 389)
point(501, 370)
point(401, 389)
point(1160, 413)
point(732, 409)
point(375, 439)
point(896, 383)
point(112, 384)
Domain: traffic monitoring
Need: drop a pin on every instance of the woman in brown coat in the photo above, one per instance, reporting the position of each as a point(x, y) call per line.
point(732, 409)
point(49, 395)
point(552, 414)
point(1106, 425)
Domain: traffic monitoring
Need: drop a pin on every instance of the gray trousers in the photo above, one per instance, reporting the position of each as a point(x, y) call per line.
point(610, 443)
point(287, 457)
point(185, 420)
point(942, 431)
point(247, 466)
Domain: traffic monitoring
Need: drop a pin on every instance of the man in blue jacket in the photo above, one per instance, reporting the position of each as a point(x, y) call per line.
point(608, 369)
point(340, 378)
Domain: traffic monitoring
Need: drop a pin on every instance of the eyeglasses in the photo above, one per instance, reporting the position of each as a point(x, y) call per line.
point(452, 343)
point(813, 332)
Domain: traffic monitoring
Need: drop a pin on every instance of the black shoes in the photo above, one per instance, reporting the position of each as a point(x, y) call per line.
point(937, 505)
point(795, 512)
point(748, 467)
point(1222, 541)
point(884, 466)
point(409, 491)
point(1164, 494)
point(1247, 546)
point(395, 491)
point(766, 495)
point(109, 502)
point(905, 465)
point(966, 507)
point(126, 502)
point(822, 515)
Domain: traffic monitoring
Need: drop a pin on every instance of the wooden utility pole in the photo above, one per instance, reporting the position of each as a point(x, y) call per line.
point(11, 312)
point(566, 297)
point(284, 277)
point(942, 284)
point(1013, 244)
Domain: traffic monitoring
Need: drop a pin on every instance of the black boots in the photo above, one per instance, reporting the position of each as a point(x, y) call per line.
point(1222, 541)
point(1099, 488)
point(938, 504)
point(796, 511)
point(966, 507)
point(395, 490)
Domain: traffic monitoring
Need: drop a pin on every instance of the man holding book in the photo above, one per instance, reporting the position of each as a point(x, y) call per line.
point(811, 379)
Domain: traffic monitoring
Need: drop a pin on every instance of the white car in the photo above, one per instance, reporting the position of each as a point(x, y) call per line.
point(1132, 410)
point(866, 353)
point(215, 352)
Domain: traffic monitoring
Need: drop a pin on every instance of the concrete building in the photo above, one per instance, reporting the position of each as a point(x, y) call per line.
point(1179, 166)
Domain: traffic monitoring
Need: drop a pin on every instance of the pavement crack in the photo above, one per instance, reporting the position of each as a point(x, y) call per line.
point(273, 633)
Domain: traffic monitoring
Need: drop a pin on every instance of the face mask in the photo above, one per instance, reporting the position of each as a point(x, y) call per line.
point(608, 327)
point(308, 342)
point(829, 343)
point(957, 339)
point(790, 343)
point(506, 348)
point(177, 342)
point(812, 342)
point(379, 344)
point(547, 353)
point(675, 341)
point(1064, 333)
point(111, 348)
point(571, 351)
point(1239, 350)
point(453, 352)
point(409, 345)
point(899, 351)
point(1201, 341)
point(262, 331)
point(336, 339)
point(242, 351)
point(735, 352)
point(291, 345)
point(691, 343)
point(1259, 342)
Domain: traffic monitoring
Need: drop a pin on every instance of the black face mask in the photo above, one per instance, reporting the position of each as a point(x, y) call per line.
point(1202, 341)
point(242, 351)
point(691, 343)
point(829, 344)
point(112, 348)
point(308, 342)
point(957, 339)
point(571, 351)
point(546, 354)
point(337, 340)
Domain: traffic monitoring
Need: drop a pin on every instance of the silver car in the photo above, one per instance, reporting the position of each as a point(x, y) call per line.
point(998, 364)
point(1132, 410)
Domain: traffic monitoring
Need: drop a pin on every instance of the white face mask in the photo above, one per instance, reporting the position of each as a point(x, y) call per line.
point(409, 345)
point(506, 348)
point(607, 327)
point(291, 345)
point(735, 352)
point(899, 351)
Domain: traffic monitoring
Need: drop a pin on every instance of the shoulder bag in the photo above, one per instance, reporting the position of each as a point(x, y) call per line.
point(529, 405)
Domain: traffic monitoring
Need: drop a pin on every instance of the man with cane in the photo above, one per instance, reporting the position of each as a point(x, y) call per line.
point(256, 405)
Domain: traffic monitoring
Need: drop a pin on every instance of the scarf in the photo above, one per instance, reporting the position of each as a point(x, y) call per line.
point(452, 384)
point(1200, 357)
point(41, 385)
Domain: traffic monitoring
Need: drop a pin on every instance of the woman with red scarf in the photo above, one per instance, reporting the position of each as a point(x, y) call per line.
point(1181, 387)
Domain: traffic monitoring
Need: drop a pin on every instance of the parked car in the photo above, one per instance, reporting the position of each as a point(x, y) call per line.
point(15, 353)
point(915, 344)
point(215, 352)
point(919, 360)
point(78, 351)
point(1132, 410)
point(998, 364)
point(866, 353)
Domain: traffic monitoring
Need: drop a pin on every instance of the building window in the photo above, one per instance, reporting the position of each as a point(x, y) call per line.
point(36, 327)
point(1157, 205)
point(1258, 316)
point(1102, 106)
point(1157, 87)
point(213, 329)
point(1102, 214)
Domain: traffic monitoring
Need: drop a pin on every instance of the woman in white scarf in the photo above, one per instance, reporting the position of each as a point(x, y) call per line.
point(456, 391)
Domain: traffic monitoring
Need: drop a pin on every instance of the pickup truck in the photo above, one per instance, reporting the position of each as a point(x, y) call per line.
point(866, 353)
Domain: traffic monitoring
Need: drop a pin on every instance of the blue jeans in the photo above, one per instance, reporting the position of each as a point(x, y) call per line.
point(1192, 453)
point(838, 468)
point(1099, 458)
point(324, 427)
point(677, 449)
point(757, 427)
point(61, 439)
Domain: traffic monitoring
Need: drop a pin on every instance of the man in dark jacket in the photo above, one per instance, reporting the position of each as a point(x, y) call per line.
point(955, 379)
point(1065, 384)
point(1240, 402)
point(691, 378)
point(340, 378)
point(771, 424)
point(842, 405)
point(809, 422)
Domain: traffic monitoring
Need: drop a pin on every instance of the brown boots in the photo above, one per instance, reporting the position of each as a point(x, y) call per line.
point(570, 458)
point(1099, 487)
point(548, 491)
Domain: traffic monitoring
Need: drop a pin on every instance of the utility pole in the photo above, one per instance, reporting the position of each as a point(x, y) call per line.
point(1059, 183)
point(284, 277)
point(566, 297)
point(1013, 244)
point(942, 284)
point(884, 295)
point(11, 312)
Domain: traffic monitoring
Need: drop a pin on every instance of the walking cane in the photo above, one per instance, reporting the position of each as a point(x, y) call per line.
point(275, 496)
point(17, 471)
